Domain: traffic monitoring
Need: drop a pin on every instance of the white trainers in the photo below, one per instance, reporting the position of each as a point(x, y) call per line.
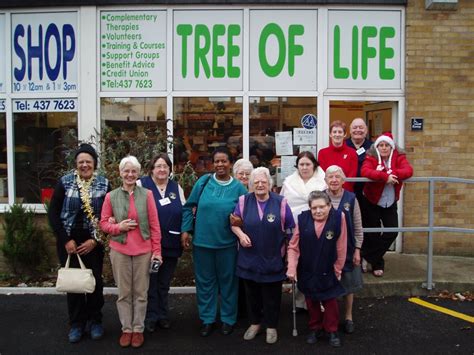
point(252, 332)
point(272, 336)
point(365, 265)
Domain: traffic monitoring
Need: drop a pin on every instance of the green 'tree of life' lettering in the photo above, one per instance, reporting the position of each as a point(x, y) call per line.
point(203, 45)
point(272, 29)
point(367, 52)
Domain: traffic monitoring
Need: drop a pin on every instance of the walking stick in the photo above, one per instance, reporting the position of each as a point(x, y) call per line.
point(295, 332)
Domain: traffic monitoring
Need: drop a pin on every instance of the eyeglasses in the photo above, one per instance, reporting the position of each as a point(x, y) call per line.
point(159, 166)
point(243, 173)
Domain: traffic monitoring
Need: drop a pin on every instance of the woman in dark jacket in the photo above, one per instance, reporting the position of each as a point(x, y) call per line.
point(316, 257)
point(75, 207)
point(387, 166)
point(169, 199)
point(267, 225)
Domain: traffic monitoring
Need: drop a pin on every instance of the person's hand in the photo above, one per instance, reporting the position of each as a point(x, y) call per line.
point(157, 257)
point(291, 277)
point(112, 220)
point(185, 240)
point(235, 221)
point(356, 258)
point(392, 179)
point(245, 241)
point(127, 225)
point(86, 247)
point(71, 247)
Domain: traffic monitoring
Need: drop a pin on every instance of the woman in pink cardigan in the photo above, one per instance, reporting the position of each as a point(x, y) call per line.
point(129, 215)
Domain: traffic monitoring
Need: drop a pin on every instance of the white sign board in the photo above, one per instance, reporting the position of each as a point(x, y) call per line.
point(2, 49)
point(44, 52)
point(2, 105)
point(303, 136)
point(207, 49)
point(309, 148)
point(133, 51)
point(283, 143)
point(287, 166)
point(283, 47)
point(364, 49)
point(45, 105)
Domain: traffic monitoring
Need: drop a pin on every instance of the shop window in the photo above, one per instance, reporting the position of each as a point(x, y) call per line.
point(130, 124)
point(201, 124)
point(3, 160)
point(41, 139)
point(275, 114)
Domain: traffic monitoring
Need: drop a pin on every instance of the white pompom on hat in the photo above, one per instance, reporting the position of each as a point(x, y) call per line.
point(387, 138)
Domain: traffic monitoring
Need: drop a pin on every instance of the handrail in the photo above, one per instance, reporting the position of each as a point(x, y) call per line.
point(431, 228)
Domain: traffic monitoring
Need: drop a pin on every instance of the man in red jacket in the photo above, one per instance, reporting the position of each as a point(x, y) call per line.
point(387, 166)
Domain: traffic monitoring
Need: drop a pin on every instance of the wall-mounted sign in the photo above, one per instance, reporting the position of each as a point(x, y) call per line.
point(2, 105)
point(44, 52)
point(133, 51)
point(283, 51)
point(417, 124)
point(2, 57)
point(208, 50)
point(303, 136)
point(364, 49)
point(309, 121)
point(45, 105)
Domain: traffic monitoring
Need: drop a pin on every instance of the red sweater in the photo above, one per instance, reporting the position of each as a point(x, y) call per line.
point(400, 168)
point(343, 156)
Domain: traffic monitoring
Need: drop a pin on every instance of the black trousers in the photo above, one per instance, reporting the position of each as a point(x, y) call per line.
point(86, 307)
point(263, 302)
point(375, 245)
point(158, 290)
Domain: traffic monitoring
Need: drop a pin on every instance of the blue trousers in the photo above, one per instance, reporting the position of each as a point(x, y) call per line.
point(215, 275)
point(160, 282)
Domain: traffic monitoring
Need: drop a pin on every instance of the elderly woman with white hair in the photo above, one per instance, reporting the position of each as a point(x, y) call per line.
point(346, 202)
point(130, 216)
point(242, 169)
point(267, 224)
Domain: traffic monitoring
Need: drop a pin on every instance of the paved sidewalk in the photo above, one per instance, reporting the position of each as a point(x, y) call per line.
point(404, 276)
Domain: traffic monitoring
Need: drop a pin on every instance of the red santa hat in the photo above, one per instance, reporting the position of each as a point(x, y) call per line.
point(387, 138)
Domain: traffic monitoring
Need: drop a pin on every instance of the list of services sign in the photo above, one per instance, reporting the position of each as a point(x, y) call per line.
point(133, 50)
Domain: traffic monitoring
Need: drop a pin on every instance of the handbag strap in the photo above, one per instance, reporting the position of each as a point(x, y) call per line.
point(83, 267)
point(202, 189)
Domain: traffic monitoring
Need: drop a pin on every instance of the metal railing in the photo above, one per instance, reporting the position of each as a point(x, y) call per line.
point(430, 228)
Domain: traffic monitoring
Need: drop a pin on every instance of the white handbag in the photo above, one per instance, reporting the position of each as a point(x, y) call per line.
point(75, 280)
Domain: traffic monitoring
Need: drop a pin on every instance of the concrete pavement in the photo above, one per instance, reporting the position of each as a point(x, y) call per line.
point(404, 276)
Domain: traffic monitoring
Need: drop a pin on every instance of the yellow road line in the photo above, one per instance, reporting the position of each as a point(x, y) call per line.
point(462, 316)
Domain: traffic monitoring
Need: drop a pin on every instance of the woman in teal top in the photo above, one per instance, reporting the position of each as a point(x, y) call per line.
point(214, 244)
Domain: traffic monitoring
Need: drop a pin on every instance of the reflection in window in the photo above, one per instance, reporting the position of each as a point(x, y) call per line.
point(40, 140)
point(135, 125)
point(201, 124)
point(3, 160)
point(274, 114)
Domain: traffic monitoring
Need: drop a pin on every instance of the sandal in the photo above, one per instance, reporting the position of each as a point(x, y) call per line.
point(378, 273)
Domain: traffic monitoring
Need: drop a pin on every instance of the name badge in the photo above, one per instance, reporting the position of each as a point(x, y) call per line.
point(165, 201)
point(360, 151)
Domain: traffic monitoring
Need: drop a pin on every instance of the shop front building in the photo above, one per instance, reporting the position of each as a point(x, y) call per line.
point(264, 80)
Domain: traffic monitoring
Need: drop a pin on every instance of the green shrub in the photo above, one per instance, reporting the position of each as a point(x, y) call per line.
point(24, 245)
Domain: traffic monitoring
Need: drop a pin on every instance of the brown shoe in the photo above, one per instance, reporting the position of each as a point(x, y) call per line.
point(125, 340)
point(137, 340)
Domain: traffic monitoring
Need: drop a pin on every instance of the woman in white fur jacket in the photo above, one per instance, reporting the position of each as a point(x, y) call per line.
point(308, 177)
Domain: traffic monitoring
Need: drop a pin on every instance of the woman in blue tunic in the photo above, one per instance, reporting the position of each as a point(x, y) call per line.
point(214, 197)
point(267, 226)
point(169, 200)
point(316, 255)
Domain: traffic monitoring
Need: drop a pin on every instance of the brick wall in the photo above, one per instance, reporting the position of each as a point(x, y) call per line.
point(440, 88)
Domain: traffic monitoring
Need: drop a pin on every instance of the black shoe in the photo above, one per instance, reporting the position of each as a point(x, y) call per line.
point(348, 326)
point(314, 335)
point(227, 329)
point(206, 329)
point(164, 324)
point(334, 340)
point(150, 326)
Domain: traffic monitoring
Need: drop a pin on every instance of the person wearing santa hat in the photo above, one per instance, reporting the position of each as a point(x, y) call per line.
point(387, 166)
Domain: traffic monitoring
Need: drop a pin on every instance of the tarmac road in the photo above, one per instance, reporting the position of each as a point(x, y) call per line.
point(37, 324)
